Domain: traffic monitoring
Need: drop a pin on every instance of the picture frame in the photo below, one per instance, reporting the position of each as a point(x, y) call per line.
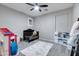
point(30, 21)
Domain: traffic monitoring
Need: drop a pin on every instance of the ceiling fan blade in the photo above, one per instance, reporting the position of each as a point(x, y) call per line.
point(36, 3)
point(31, 9)
point(30, 4)
point(40, 10)
point(43, 5)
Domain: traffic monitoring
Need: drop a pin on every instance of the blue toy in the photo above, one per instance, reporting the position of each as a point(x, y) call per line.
point(13, 48)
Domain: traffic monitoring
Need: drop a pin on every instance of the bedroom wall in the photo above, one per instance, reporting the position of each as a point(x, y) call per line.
point(75, 12)
point(14, 20)
point(46, 24)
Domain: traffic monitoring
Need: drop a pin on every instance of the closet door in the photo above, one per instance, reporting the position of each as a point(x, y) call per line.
point(61, 23)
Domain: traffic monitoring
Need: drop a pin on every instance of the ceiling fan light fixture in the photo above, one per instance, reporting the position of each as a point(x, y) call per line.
point(36, 8)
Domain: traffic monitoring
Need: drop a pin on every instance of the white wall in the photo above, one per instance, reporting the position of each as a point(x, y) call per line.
point(75, 12)
point(46, 24)
point(16, 21)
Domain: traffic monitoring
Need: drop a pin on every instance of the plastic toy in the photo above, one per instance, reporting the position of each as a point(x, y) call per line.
point(11, 46)
point(1, 47)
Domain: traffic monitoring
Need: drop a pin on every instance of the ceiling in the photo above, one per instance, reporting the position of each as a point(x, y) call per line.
point(52, 7)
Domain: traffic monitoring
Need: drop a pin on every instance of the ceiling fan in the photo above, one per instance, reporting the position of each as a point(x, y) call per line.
point(36, 6)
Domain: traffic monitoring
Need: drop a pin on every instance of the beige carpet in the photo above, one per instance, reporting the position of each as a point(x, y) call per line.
point(38, 49)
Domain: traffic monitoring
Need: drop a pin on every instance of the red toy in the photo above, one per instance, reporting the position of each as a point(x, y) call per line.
point(9, 34)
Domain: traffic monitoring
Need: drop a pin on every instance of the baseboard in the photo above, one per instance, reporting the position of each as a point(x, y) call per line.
point(44, 39)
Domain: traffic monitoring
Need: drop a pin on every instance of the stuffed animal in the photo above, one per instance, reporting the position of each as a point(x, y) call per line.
point(34, 33)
